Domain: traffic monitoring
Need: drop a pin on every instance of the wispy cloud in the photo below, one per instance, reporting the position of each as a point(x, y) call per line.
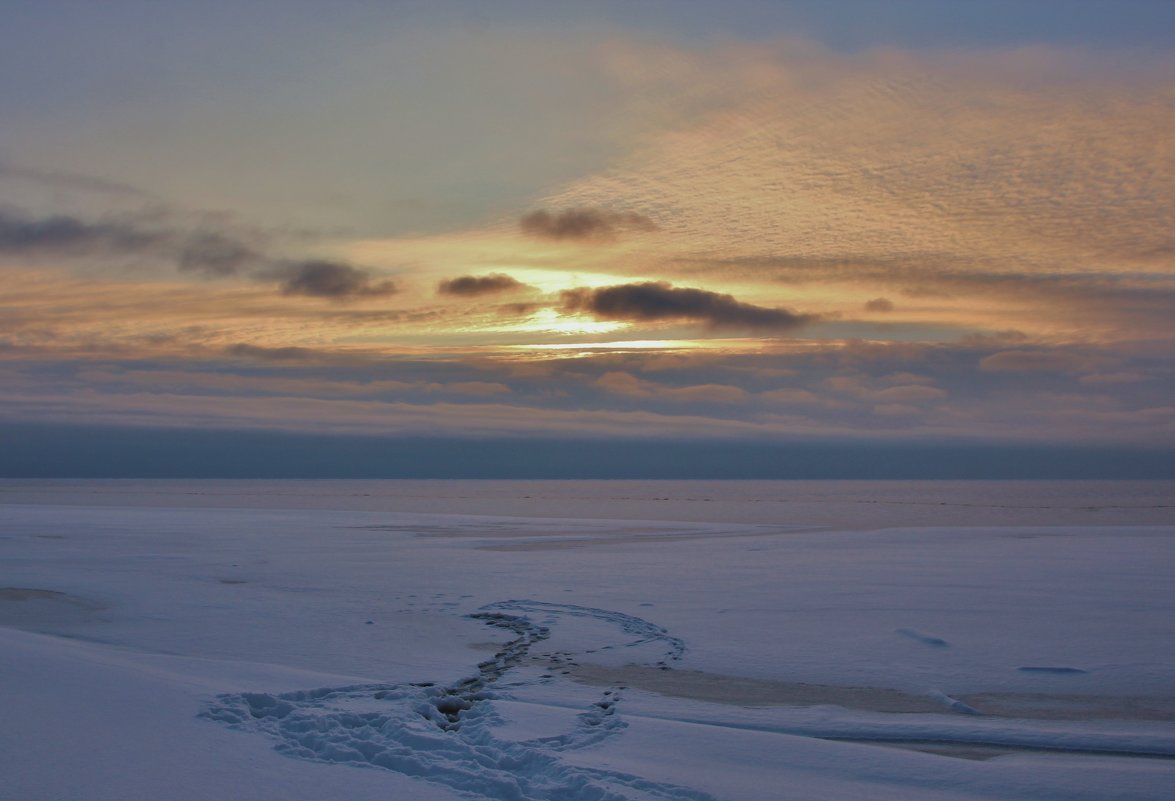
point(61, 179)
point(1026, 160)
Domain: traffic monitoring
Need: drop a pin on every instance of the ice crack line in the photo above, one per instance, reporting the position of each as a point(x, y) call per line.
point(446, 735)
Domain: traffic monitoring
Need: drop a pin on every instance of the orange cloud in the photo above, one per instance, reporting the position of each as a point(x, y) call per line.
point(628, 385)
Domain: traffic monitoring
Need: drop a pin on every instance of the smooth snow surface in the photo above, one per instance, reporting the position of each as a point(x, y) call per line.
point(375, 640)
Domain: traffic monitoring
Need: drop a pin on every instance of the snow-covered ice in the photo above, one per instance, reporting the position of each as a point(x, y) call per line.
point(586, 640)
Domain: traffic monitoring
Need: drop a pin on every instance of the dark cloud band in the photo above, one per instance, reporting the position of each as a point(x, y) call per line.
point(474, 285)
point(62, 233)
point(584, 224)
point(211, 252)
point(656, 301)
point(329, 279)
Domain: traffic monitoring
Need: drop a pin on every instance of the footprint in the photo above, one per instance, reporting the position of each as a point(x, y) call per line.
point(446, 735)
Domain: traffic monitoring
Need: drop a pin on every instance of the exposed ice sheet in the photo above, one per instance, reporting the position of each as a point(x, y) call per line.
point(630, 658)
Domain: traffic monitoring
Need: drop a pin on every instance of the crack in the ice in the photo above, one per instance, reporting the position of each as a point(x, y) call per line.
point(446, 734)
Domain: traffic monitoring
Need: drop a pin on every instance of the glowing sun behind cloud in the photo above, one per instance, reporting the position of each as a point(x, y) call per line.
point(609, 233)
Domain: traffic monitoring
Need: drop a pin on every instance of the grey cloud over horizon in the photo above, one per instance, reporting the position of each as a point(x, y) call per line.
point(202, 250)
point(583, 224)
point(475, 285)
point(63, 233)
point(320, 278)
point(656, 301)
point(244, 350)
point(215, 254)
point(866, 389)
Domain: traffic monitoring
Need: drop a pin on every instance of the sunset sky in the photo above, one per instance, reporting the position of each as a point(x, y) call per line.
point(478, 232)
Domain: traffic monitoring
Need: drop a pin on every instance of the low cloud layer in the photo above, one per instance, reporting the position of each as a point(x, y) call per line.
point(584, 224)
point(474, 285)
point(657, 301)
point(1034, 361)
point(845, 389)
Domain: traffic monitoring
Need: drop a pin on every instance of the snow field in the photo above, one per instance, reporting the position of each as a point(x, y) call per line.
point(308, 654)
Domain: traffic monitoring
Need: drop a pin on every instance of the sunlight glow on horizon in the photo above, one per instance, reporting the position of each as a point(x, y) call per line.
point(899, 239)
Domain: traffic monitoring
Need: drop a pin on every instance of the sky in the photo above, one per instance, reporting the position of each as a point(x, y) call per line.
point(749, 238)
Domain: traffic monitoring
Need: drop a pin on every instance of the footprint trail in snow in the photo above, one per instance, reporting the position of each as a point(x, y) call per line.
point(446, 735)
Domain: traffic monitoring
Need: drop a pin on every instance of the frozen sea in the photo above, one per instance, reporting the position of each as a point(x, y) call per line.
point(586, 640)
